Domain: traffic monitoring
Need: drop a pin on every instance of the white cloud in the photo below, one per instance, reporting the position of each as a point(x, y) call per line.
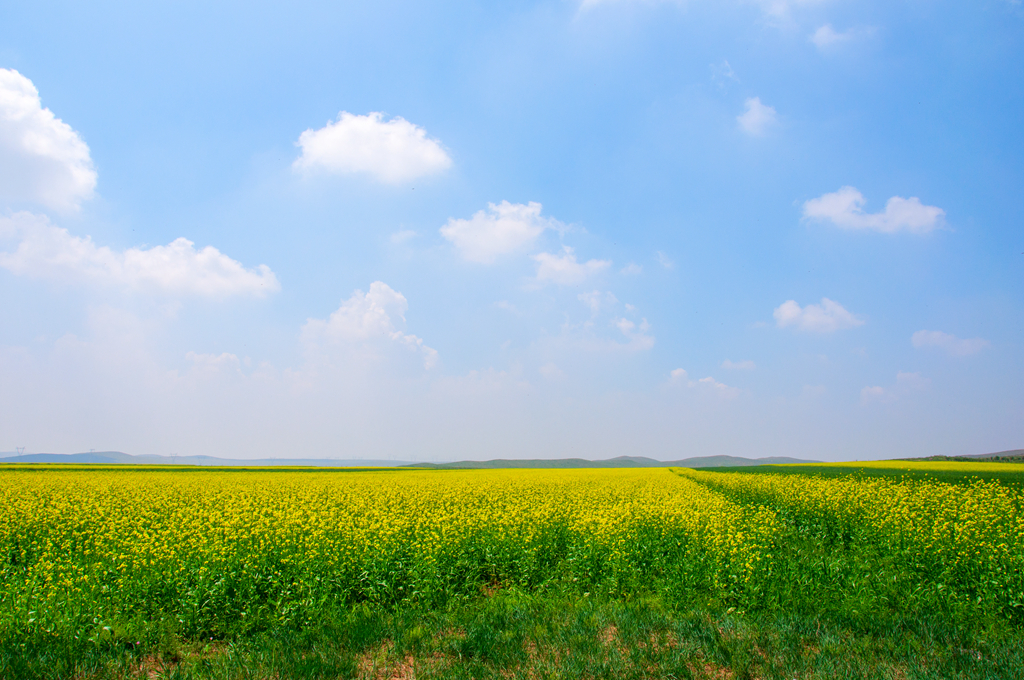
point(781, 9)
point(720, 73)
point(390, 151)
point(366, 318)
point(565, 270)
point(739, 365)
point(949, 343)
point(42, 159)
point(757, 118)
point(400, 237)
point(827, 317)
point(501, 229)
point(45, 251)
point(596, 300)
point(679, 376)
point(826, 37)
point(664, 260)
point(906, 384)
point(773, 9)
point(631, 269)
point(845, 209)
point(638, 339)
point(719, 388)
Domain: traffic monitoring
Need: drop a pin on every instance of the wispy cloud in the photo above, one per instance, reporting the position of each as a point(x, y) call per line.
point(950, 344)
point(906, 384)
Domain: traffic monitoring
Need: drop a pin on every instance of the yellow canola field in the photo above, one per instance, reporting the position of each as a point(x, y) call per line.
point(217, 549)
point(189, 539)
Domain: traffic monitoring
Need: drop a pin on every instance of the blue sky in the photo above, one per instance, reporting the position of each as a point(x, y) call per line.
point(477, 230)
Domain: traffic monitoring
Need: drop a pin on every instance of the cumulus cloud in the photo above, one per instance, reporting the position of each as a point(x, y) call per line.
point(757, 118)
point(739, 365)
point(42, 159)
point(827, 317)
point(664, 260)
point(845, 209)
point(46, 251)
point(948, 343)
point(390, 151)
point(364, 319)
point(564, 269)
point(501, 229)
point(906, 384)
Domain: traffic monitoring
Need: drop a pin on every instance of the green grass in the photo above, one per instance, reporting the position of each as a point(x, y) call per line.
point(983, 471)
point(521, 634)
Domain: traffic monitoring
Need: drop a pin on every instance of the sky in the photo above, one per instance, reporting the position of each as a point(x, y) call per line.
point(421, 231)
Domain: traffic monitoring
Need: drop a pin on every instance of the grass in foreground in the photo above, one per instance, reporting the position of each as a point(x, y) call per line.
point(516, 634)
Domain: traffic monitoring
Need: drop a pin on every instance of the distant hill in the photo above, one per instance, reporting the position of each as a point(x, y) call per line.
point(1012, 456)
point(620, 462)
point(118, 458)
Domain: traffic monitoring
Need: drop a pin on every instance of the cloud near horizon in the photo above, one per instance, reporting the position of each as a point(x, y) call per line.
point(906, 384)
point(391, 151)
point(42, 159)
point(45, 251)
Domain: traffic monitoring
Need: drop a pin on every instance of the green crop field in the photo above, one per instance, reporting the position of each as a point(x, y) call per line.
point(893, 570)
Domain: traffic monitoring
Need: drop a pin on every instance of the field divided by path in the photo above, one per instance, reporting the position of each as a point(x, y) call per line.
point(102, 563)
